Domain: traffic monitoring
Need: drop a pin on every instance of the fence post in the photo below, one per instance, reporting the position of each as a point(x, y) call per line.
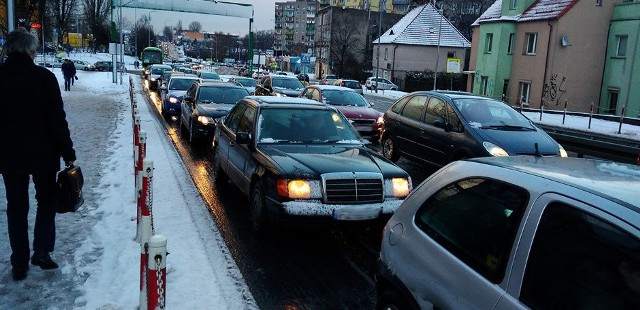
point(157, 268)
point(590, 114)
point(145, 227)
point(621, 119)
point(564, 114)
point(141, 153)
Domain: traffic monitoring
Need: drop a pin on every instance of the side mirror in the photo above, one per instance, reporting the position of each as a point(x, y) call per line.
point(163, 87)
point(441, 124)
point(371, 103)
point(243, 138)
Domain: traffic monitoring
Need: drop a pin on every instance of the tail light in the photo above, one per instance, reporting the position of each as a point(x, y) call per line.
point(342, 84)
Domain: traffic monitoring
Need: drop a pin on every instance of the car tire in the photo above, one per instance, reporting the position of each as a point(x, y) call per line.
point(219, 176)
point(257, 212)
point(390, 300)
point(389, 149)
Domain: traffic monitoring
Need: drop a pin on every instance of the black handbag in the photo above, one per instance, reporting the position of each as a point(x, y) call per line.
point(70, 181)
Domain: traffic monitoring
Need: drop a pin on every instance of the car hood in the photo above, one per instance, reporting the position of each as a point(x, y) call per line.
point(358, 112)
point(177, 93)
point(287, 91)
point(313, 160)
point(213, 109)
point(520, 142)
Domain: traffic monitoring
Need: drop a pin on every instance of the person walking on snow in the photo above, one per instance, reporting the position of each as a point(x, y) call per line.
point(69, 72)
point(31, 149)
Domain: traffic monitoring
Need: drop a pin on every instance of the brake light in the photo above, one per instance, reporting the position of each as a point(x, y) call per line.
point(342, 84)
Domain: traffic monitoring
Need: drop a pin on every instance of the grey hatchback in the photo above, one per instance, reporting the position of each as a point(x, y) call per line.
point(437, 127)
point(516, 233)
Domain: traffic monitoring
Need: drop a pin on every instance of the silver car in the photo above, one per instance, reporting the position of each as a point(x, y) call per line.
point(380, 83)
point(516, 233)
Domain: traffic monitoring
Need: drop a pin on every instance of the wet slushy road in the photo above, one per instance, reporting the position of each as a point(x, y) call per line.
point(290, 268)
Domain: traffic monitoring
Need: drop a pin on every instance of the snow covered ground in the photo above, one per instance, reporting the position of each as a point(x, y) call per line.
point(95, 248)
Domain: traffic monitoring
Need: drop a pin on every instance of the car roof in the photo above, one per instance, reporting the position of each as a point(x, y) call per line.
point(275, 76)
point(211, 83)
point(331, 87)
point(284, 100)
point(616, 181)
point(452, 94)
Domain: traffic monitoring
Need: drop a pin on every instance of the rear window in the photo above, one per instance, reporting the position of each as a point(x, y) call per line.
point(221, 95)
point(343, 97)
point(351, 84)
point(180, 84)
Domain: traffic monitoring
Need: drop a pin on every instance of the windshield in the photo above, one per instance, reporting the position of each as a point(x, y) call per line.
point(287, 83)
point(247, 82)
point(180, 84)
point(209, 76)
point(221, 95)
point(304, 126)
point(351, 84)
point(151, 57)
point(485, 113)
point(343, 97)
point(155, 70)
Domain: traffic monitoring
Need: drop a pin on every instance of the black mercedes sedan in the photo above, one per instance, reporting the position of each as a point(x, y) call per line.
point(203, 104)
point(301, 161)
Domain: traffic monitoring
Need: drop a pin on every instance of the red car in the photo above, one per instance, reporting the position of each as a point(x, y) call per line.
point(358, 110)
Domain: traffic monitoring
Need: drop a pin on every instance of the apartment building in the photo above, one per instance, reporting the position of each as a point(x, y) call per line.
point(294, 26)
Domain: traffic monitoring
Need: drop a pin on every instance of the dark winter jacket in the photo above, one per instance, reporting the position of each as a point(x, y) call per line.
point(68, 69)
point(34, 131)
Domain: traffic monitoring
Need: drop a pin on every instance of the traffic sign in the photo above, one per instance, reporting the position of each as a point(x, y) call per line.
point(305, 59)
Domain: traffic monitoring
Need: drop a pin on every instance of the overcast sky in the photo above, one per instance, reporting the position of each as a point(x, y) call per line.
point(263, 18)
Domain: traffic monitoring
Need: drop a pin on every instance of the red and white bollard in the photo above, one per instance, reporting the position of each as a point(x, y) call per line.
point(145, 200)
point(140, 154)
point(157, 273)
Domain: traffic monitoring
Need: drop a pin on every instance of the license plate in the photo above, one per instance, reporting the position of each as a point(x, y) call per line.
point(356, 213)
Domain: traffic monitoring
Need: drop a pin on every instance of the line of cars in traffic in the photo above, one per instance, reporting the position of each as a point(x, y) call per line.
point(507, 222)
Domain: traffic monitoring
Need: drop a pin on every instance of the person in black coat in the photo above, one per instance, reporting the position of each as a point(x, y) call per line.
point(68, 71)
point(35, 134)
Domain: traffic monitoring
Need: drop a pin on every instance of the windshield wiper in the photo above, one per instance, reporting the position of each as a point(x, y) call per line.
point(509, 127)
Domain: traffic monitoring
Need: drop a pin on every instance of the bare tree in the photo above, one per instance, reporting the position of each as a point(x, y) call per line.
point(167, 32)
point(96, 14)
point(195, 26)
point(344, 38)
point(62, 10)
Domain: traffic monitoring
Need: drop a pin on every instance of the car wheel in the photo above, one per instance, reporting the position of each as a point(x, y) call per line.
point(257, 215)
point(219, 176)
point(389, 150)
point(390, 300)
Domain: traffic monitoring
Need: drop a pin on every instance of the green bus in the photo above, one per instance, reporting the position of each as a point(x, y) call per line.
point(150, 55)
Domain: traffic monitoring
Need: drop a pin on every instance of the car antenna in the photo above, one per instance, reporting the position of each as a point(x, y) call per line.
point(537, 152)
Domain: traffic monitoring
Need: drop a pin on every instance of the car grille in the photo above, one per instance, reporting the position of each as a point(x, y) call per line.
point(353, 188)
point(360, 121)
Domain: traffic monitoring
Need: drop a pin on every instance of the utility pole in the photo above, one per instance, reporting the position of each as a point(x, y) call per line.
point(381, 3)
point(435, 74)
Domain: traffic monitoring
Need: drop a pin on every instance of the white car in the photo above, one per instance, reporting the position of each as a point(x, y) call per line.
point(83, 65)
point(380, 83)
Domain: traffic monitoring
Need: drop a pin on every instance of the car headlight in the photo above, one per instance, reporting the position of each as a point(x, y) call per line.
point(399, 187)
point(173, 99)
point(380, 120)
point(563, 153)
point(294, 189)
point(494, 150)
point(205, 120)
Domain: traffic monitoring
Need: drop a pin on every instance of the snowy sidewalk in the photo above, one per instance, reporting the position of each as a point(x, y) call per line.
point(99, 260)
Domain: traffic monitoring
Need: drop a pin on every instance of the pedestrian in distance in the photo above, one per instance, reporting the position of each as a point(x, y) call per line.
point(31, 149)
point(68, 72)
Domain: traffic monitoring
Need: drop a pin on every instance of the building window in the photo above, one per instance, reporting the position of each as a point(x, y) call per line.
point(512, 5)
point(451, 54)
point(532, 41)
point(525, 91)
point(484, 82)
point(512, 41)
point(505, 91)
point(613, 100)
point(386, 53)
point(621, 49)
point(488, 43)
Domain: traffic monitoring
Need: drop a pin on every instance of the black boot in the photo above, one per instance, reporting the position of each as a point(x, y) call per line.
point(43, 260)
point(19, 273)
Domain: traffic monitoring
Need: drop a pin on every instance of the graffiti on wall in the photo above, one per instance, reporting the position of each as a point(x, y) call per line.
point(554, 91)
